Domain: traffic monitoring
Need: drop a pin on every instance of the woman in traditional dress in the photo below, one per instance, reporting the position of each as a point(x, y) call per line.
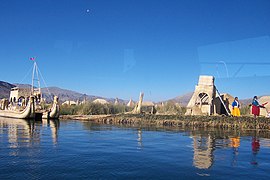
point(235, 107)
point(255, 107)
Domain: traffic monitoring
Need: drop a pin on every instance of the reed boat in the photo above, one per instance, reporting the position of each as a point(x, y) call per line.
point(27, 103)
point(27, 113)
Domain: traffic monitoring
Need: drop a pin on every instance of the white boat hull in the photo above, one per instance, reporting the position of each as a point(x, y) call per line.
point(27, 113)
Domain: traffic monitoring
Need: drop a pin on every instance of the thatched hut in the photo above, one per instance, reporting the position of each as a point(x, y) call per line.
point(100, 101)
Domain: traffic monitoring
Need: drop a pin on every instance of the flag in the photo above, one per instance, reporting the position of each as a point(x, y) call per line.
point(32, 58)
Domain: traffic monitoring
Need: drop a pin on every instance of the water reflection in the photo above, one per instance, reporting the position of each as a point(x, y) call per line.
point(205, 142)
point(203, 148)
point(235, 144)
point(17, 131)
point(255, 144)
point(119, 149)
point(140, 144)
point(26, 133)
point(53, 125)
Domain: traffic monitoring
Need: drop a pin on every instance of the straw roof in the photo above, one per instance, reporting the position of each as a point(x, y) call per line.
point(70, 103)
point(147, 103)
point(130, 103)
point(101, 101)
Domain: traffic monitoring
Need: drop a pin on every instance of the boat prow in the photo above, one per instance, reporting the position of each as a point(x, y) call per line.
point(54, 112)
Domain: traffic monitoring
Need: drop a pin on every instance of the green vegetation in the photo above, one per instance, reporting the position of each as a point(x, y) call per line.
point(245, 110)
point(171, 108)
point(68, 109)
point(90, 108)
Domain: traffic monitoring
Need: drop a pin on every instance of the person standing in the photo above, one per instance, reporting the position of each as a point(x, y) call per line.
point(236, 107)
point(255, 107)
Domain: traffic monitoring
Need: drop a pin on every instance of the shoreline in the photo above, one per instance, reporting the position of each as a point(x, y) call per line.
point(224, 122)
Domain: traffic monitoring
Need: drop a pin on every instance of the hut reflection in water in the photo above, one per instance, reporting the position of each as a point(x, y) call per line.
point(203, 148)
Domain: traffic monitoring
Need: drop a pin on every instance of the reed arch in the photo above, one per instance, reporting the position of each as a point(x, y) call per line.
point(202, 99)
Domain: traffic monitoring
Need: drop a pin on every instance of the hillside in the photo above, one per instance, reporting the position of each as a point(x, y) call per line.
point(5, 89)
point(63, 94)
point(183, 99)
point(245, 102)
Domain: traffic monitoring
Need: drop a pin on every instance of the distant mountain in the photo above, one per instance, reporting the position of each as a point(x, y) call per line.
point(68, 95)
point(183, 99)
point(5, 89)
point(63, 94)
point(24, 86)
point(245, 102)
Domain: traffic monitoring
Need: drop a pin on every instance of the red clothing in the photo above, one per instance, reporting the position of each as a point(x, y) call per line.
point(255, 110)
point(255, 145)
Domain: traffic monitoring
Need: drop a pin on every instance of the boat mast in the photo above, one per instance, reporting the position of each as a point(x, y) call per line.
point(35, 72)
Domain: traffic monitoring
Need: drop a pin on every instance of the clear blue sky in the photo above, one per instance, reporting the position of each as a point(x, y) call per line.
point(117, 48)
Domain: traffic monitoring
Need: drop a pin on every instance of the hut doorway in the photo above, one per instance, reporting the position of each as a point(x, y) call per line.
point(202, 99)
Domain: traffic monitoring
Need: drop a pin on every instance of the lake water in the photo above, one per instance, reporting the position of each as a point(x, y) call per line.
point(77, 149)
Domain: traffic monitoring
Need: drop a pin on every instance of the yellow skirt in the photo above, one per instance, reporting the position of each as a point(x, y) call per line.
point(236, 111)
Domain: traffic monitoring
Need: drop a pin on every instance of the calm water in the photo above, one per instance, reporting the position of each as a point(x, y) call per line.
point(76, 149)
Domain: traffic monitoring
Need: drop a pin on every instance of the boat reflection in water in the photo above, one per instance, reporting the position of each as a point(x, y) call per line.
point(18, 132)
point(26, 133)
point(53, 125)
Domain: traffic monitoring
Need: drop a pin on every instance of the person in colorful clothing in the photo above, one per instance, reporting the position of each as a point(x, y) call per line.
point(235, 107)
point(255, 107)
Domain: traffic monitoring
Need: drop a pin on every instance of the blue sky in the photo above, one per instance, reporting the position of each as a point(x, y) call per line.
point(117, 48)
